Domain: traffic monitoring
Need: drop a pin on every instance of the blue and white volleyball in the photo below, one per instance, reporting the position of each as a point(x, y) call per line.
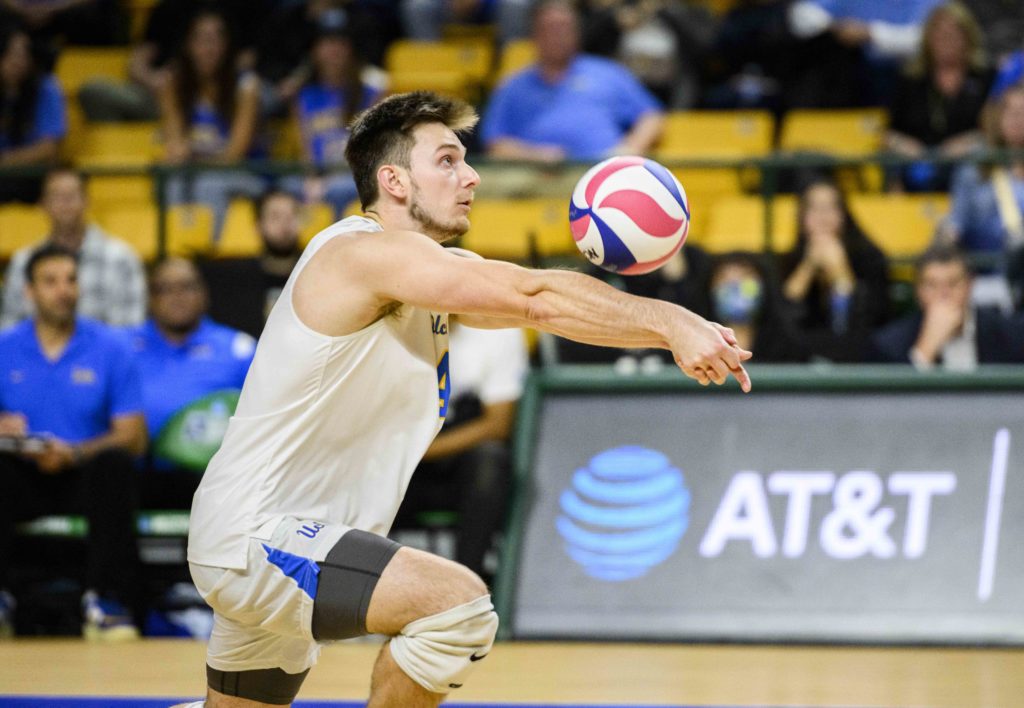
point(624, 513)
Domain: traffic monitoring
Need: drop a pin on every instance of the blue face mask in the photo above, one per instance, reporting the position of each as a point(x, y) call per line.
point(738, 301)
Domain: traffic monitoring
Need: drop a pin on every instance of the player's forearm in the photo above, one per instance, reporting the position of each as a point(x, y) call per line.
point(587, 310)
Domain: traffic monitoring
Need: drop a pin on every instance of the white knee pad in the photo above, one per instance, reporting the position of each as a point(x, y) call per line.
point(439, 651)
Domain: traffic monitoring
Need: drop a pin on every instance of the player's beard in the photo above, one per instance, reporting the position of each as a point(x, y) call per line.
point(430, 226)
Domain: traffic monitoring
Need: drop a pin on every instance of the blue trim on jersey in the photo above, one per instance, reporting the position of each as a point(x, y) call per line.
point(444, 386)
point(304, 571)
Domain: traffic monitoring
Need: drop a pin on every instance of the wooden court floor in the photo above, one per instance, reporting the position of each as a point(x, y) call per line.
point(609, 674)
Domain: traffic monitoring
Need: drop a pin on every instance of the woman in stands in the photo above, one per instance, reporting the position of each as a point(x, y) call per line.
point(32, 115)
point(835, 279)
point(210, 114)
point(341, 86)
point(986, 217)
point(938, 101)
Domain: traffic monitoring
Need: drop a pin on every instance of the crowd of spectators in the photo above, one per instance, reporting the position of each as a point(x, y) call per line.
point(138, 353)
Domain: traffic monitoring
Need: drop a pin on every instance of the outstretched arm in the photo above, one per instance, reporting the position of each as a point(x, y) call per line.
point(359, 277)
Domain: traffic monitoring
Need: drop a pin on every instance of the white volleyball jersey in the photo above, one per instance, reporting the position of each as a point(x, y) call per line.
point(326, 428)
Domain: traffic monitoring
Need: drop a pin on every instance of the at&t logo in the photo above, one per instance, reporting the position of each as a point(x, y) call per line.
point(624, 513)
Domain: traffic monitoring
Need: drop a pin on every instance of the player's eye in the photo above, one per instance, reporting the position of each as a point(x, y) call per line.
point(447, 159)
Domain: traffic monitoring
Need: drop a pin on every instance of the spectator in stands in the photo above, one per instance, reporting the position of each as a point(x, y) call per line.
point(111, 279)
point(986, 216)
point(467, 467)
point(183, 356)
point(33, 117)
point(682, 280)
point(74, 22)
point(245, 289)
point(948, 331)
point(210, 115)
point(745, 297)
point(886, 32)
point(424, 20)
point(71, 408)
point(150, 59)
point(937, 105)
point(341, 86)
point(835, 278)
point(568, 105)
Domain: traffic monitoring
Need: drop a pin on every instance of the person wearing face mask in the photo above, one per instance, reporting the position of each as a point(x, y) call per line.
point(243, 290)
point(744, 296)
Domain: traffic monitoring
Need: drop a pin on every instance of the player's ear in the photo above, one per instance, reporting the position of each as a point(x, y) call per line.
point(393, 180)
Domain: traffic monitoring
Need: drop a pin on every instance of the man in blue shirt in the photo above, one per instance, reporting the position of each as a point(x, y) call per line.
point(183, 357)
point(71, 420)
point(569, 106)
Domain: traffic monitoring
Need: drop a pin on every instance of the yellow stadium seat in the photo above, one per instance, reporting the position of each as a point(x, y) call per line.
point(457, 68)
point(842, 133)
point(189, 229)
point(79, 65)
point(317, 217)
point(738, 224)
point(704, 186)
point(119, 145)
point(902, 225)
point(113, 190)
point(716, 134)
point(21, 225)
point(517, 55)
point(286, 141)
point(134, 222)
point(504, 228)
point(239, 237)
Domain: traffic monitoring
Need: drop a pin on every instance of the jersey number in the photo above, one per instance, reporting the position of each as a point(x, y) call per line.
point(444, 386)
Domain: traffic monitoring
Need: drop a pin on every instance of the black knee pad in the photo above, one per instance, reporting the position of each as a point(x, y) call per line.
point(272, 686)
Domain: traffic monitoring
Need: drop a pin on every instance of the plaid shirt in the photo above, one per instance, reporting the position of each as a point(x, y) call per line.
point(111, 282)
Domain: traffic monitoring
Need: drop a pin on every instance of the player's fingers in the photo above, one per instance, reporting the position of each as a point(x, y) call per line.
point(718, 369)
point(728, 334)
point(696, 373)
point(743, 377)
point(744, 354)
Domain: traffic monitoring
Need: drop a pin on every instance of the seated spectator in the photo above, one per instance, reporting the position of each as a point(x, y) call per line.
point(71, 404)
point(835, 278)
point(150, 59)
point(568, 106)
point(937, 106)
point(183, 356)
point(341, 86)
point(949, 332)
point(210, 115)
point(746, 298)
point(682, 280)
point(111, 279)
point(467, 468)
point(985, 217)
point(246, 289)
point(886, 33)
point(424, 20)
point(33, 117)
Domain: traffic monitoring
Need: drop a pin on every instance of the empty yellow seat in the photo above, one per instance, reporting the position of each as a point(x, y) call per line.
point(844, 133)
point(738, 224)
point(504, 228)
point(189, 230)
point(119, 145)
point(134, 222)
point(79, 65)
point(239, 237)
point(517, 55)
point(114, 190)
point(902, 225)
point(716, 134)
point(454, 67)
point(21, 225)
point(314, 218)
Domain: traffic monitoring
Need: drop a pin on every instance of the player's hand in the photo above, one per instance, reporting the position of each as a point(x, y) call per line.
point(13, 425)
point(708, 352)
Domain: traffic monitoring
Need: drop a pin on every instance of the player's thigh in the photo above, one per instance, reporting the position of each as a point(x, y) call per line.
point(417, 584)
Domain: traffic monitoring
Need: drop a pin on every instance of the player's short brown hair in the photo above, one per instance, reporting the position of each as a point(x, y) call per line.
point(382, 134)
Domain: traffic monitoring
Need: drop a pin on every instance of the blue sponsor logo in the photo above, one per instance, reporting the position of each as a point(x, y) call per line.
point(624, 513)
